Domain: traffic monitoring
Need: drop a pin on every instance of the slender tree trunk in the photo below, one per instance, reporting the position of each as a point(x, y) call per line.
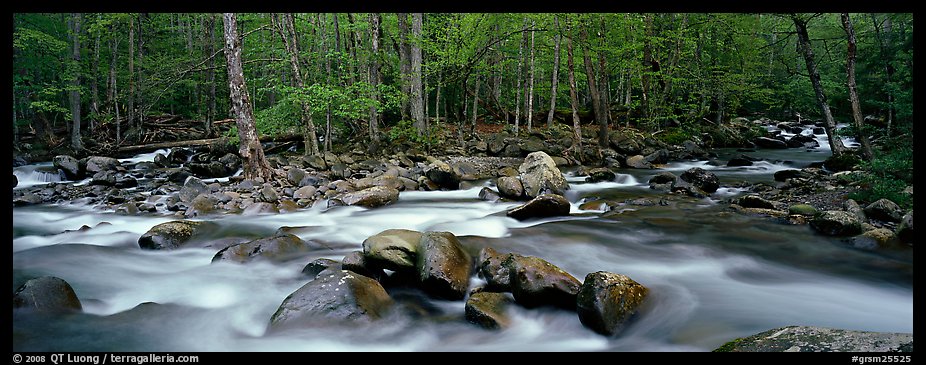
point(131, 107)
point(287, 29)
point(573, 96)
point(517, 98)
point(888, 68)
point(593, 90)
point(647, 64)
point(497, 75)
point(853, 92)
point(604, 79)
point(828, 123)
point(405, 64)
point(337, 45)
point(352, 44)
point(210, 73)
point(138, 95)
point(417, 103)
point(324, 37)
point(555, 81)
point(530, 97)
point(74, 23)
point(472, 130)
point(437, 98)
point(113, 93)
point(255, 164)
point(374, 76)
point(94, 81)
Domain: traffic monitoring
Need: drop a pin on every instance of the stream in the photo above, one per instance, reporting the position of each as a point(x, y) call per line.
point(713, 275)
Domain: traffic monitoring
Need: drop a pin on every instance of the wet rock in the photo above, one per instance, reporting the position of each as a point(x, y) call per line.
point(599, 174)
point(510, 187)
point(485, 193)
point(539, 175)
point(192, 188)
point(125, 182)
point(784, 175)
point(488, 310)
point(766, 142)
point(836, 223)
point(536, 282)
point(465, 170)
point(802, 209)
point(305, 192)
point(178, 176)
point(739, 161)
point(606, 301)
point(94, 164)
point(260, 208)
point(267, 194)
point(547, 205)
point(664, 177)
point(69, 165)
point(659, 157)
point(905, 229)
point(15, 181)
point(46, 294)
point(493, 268)
point(168, 235)
point(884, 210)
point(317, 266)
point(208, 170)
point(338, 296)
point(638, 162)
point(393, 249)
point(231, 162)
point(873, 239)
point(754, 201)
point(702, 179)
point(105, 178)
point(442, 174)
point(161, 160)
point(279, 248)
point(443, 266)
point(127, 209)
point(853, 208)
point(358, 263)
point(295, 176)
point(818, 339)
point(371, 197)
point(201, 205)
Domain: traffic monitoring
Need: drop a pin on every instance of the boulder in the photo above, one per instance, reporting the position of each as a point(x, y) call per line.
point(316, 162)
point(638, 162)
point(739, 161)
point(660, 157)
point(492, 267)
point(702, 179)
point(818, 339)
point(488, 310)
point(260, 208)
point(606, 301)
point(442, 174)
point(510, 187)
point(46, 294)
point(664, 177)
point(766, 142)
point(485, 193)
point(125, 182)
point(305, 192)
point(784, 175)
point(358, 263)
point(851, 206)
point(754, 201)
point(905, 229)
point(267, 194)
point(279, 248)
point(884, 210)
point(599, 174)
point(69, 165)
point(836, 223)
point(94, 164)
point(208, 170)
point(231, 162)
point(802, 209)
point(169, 235)
point(295, 175)
point(443, 266)
point(873, 239)
point(393, 249)
point(178, 175)
point(317, 266)
point(26, 198)
point(338, 296)
point(465, 170)
point(192, 188)
point(105, 178)
point(536, 282)
point(547, 205)
point(539, 175)
point(371, 197)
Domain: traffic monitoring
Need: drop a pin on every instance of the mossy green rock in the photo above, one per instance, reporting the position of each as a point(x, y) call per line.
point(606, 301)
point(802, 209)
point(168, 235)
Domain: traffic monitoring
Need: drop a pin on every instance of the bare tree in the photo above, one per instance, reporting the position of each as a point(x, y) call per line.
point(555, 80)
point(859, 122)
point(829, 125)
point(74, 95)
point(374, 76)
point(417, 103)
point(573, 96)
point(285, 26)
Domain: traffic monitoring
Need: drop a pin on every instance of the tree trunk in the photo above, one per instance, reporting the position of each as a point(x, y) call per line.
point(417, 103)
point(888, 69)
point(74, 23)
point(255, 164)
point(647, 64)
point(472, 130)
point(131, 107)
point(593, 90)
point(555, 81)
point(530, 94)
point(828, 123)
point(604, 79)
point(374, 76)
point(287, 29)
point(497, 75)
point(113, 89)
point(853, 92)
point(573, 96)
point(405, 64)
point(210, 73)
point(94, 82)
point(324, 38)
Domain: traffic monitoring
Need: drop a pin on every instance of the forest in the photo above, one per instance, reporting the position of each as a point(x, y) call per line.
point(433, 181)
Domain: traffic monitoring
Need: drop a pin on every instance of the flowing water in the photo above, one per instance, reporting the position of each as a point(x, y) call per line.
point(713, 275)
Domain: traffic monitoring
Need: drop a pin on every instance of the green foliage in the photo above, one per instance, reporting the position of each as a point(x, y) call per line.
point(405, 131)
point(889, 173)
point(677, 135)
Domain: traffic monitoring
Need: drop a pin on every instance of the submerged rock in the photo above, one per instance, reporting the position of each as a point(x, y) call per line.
point(46, 294)
point(168, 235)
point(340, 295)
point(278, 248)
point(606, 301)
point(818, 339)
point(443, 266)
point(488, 310)
point(546, 205)
point(539, 175)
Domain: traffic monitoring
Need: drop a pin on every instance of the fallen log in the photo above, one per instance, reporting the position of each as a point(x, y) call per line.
point(200, 142)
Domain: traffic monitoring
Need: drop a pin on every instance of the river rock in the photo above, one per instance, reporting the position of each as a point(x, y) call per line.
point(371, 197)
point(15, 181)
point(485, 193)
point(599, 174)
point(539, 175)
point(606, 301)
point(260, 208)
point(69, 165)
point(168, 235)
point(178, 175)
point(851, 206)
point(442, 174)
point(661, 178)
point(884, 210)
point(465, 170)
point(702, 179)
point(317, 266)
point(208, 170)
point(873, 239)
point(192, 188)
point(802, 209)
point(493, 268)
point(46, 294)
point(105, 178)
point(393, 249)
point(754, 201)
point(278, 248)
point(488, 310)
point(739, 161)
point(766, 142)
point(231, 162)
point(510, 187)
point(305, 192)
point(547, 205)
point(443, 266)
point(818, 339)
point(784, 175)
point(905, 229)
point(338, 296)
point(836, 223)
point(638, 162)
point(295, 175)
point(316, 162)
point(661, 156)
point(358, 263)
point(536, 282)
point(124, 182)
point(267, 194)
point(94, 164)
